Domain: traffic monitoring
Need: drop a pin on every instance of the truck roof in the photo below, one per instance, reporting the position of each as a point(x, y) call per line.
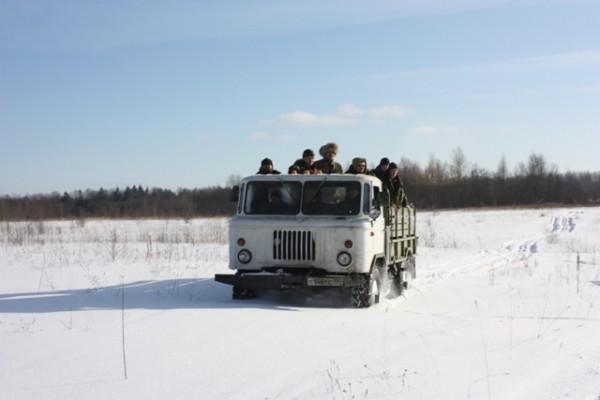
point(312, 178)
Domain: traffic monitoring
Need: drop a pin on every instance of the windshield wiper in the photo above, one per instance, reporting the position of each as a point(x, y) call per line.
point(318, 189)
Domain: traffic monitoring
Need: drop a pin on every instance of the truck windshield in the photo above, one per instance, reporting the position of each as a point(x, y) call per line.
point(273, 198)
point(317, 198)
point(331, 198)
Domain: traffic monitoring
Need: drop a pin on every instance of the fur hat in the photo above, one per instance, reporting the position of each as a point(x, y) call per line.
point(328, 147)
point(358, 160)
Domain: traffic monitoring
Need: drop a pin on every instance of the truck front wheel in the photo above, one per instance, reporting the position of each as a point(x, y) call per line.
point(367, 292)
point(240, 293)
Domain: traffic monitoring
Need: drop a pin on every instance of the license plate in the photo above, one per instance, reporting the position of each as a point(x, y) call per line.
point(325, 281)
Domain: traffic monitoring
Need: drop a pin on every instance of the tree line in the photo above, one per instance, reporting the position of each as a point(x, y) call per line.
point(458, 184)
point(437, 185)
point(132, 202)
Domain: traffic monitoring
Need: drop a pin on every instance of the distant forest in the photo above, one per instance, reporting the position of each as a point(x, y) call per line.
point(438, 185)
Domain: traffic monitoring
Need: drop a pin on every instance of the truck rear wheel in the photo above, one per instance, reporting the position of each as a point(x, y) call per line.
point(367, 292)
point(395, 280)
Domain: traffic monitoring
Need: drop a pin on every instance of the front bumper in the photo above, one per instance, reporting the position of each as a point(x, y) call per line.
point(287, 281)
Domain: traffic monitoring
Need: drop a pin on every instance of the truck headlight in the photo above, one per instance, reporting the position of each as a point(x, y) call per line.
point(344, 258)
point(244, 256)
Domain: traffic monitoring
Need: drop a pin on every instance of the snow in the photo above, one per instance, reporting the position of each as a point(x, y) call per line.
point(505, 306)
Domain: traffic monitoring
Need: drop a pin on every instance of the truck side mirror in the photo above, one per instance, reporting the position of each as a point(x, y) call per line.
point(234, 195)
point(382, 199)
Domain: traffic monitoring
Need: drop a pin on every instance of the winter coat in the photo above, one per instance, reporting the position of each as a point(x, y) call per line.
point(263, 171)
point(328, 167)
point(396, 190)
point(304, 166)
point(353, 169)
point(378, 172)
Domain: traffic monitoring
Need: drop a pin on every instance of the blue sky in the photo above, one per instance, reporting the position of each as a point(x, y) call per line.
point(183, 94)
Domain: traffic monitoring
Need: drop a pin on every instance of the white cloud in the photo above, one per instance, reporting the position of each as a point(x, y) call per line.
point(259, 136)
point(352, 111)
point(346, 114)
point(286, 138)
point(551, 62)
point(304, 118)
point(389, 112)
point(349, 111)
point(425, 130)
point(114, 22)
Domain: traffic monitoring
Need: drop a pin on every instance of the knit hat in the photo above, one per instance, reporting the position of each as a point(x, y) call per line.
point(392, 166)
point(328, 147)
point(384, 161)
point(308, 152)
point(266, 161)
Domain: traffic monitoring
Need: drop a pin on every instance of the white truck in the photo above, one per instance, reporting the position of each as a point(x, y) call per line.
point(320, 231)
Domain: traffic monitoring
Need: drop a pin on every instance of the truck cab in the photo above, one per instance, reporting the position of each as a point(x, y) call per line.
point(319, 231)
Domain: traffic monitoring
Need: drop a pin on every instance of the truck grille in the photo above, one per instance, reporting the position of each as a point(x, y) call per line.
point(293, 245)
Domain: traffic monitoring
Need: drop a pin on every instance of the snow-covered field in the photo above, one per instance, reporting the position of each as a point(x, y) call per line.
point(506, 306)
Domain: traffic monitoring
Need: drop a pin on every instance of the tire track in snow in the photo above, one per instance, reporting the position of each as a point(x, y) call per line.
point(484, 261)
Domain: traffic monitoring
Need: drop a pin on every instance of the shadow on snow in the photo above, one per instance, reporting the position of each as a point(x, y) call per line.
point(162, 295)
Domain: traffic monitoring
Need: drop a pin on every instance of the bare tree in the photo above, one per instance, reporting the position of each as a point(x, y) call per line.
point(233, 180)
point(499, 191)
point(458, 164)
point(502, 170)
point(535, 173)
point(412, 177)
point(410, 172)
point(435, 176)
point(536, 166)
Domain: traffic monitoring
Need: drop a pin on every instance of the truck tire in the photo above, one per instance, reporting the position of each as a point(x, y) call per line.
point(395, 280)
point(240, 293)
point(367, 292)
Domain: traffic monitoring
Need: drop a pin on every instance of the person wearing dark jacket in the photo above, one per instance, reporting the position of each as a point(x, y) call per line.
point(306, 163)
point(266, 168)
point(379, 171)
point(394, 186)
point(328, 165)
